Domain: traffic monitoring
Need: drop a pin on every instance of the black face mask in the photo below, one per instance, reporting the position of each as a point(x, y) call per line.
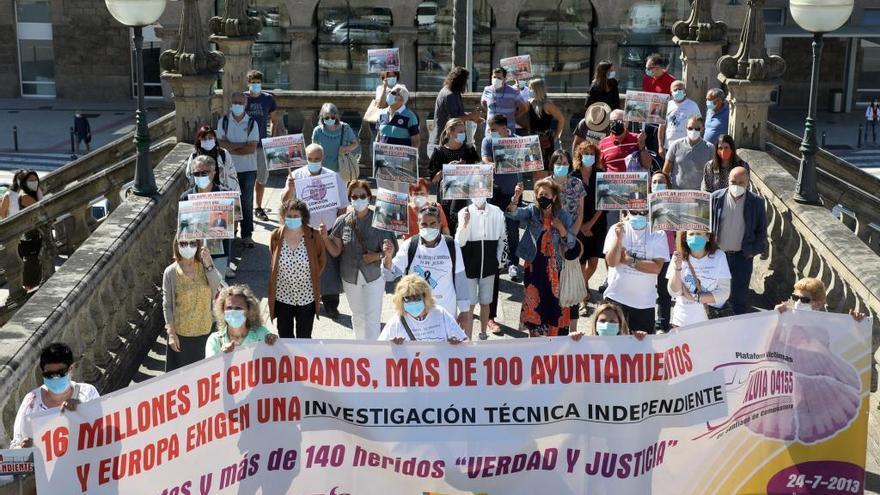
point(545, 203)
point(617, 127)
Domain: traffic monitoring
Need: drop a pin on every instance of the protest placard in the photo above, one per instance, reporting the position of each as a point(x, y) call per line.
point(518, 68)
point(466, 181)
point(390, 212)
point(518, 154)
point(285, 151)
point(739, 405)
point(645, 107)
point(206, 219)
point(681, 210)
point(622, 190)
point(383, 60)
point(318, 192)
point(395, 163)
point(16, 461)
point(235, 195)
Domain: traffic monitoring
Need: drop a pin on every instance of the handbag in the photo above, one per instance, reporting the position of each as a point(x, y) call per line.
point(712, 312)
point(371, 114)
point(349, 169)
point(572, 289)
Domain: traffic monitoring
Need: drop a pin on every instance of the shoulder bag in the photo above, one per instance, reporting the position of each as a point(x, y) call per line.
point(349, 169)
point(712, 312)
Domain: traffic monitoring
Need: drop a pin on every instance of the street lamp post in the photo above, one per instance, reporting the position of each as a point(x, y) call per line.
point(136, 14)
point(818, 17)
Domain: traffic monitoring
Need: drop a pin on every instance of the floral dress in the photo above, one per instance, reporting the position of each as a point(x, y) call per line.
point(541, 313)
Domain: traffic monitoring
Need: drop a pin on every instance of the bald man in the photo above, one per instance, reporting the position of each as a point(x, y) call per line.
point(740, 224)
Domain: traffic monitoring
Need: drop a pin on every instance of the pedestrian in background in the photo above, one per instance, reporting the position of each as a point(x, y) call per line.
point(717, 170)
point(449, 104)
point(872, 118)
point(82, 131)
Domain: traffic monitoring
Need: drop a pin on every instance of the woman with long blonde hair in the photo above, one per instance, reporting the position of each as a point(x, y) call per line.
point(239, 322)
point(545, 120)
point(417, 317)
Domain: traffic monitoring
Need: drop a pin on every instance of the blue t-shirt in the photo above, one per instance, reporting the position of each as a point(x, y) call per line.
point(398, 128)
point(503, 101)
point(716, 124)
point(330, 141)
point(505, 183)
point(259, 108)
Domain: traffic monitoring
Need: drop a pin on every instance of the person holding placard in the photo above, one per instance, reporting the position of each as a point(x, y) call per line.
point(398, 124)
point(239, 134)
point(418, 317)
point(331, 284)
point(297, 259)
point(419, 198)
point(571, 195)
point(687, 157)
point(389, 79)
point(587, 164)
point(679, 110)
point(261, 107)
point(206, 144)
point(698, 277)
point(548, 235)
point(188, 288)
point(656, 80)
point(452, 149)
point(239, 321)
point(203, 168)
point(359, 247)
point(660, 182)
point(617, 146)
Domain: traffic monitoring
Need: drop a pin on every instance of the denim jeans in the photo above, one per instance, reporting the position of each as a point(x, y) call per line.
point(741, 274)
point(246, 181)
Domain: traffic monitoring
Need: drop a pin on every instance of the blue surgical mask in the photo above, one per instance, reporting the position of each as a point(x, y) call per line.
point(360, 204)
point(237, 108)
point(696, 243)
point(658, 187)
point(235, 318)
point(414, 308)
point(678, 94)
point(57, 385)
point(588, 160)
point(638, 222)
point(203, 182)
point(649, 72)
point(460, 137)
point(494, 135)
point(256, 87)
point(612, 75)
point(293, 223)
point(390, 99)
point(607, 328)
point(560, 170)
point(391, 81)
point(710, 106)
point(314, 167)
point(329, 121)
point(429, 234)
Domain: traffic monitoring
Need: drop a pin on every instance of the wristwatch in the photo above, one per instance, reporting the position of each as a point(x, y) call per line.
point(632, 262)
point(209, 268)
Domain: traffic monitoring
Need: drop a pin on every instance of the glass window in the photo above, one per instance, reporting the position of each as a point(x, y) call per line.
point(871, 17)
point(345, 33)
point(647, 29)
point(152, 71)
point(37, 67)
point(774, 17)
point(33, 11)
point(868, 70)
point(559, 40)
point(271, 52)
point(435, 21)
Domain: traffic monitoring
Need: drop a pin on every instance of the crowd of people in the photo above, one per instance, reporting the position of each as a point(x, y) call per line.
point(450, 263)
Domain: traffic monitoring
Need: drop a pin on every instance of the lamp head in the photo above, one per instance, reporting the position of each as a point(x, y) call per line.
point(134, 13)
point(821, 16)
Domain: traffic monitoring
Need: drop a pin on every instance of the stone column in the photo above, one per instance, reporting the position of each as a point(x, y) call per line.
point(237, 54)
point(749, 102)
point(505, 44)
point(170, 41)
point(192, 103)
point(404, 38)
point(459, 30)
point(302, 66)
point(607, 45)
point(698, 59)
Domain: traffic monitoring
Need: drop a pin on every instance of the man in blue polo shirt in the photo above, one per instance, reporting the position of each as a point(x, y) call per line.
point(717, 114)
point(398, 124)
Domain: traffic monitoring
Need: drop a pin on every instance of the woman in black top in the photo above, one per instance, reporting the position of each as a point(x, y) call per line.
point(451, 149)
point(545, 120)
point(604, 86)
point(595, 225)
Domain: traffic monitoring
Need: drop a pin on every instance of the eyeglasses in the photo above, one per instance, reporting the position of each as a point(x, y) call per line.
point(642, 213)
point(652, 67)
point(394, 93)
point(429, 210)
point(803, 299)
point(411, 299)
point(56, 374)
point(203, 173)
point(359, 196)
point(188, 243)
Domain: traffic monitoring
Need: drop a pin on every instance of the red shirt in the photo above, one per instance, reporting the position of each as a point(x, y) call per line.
point(663, 84)
point(614, 153)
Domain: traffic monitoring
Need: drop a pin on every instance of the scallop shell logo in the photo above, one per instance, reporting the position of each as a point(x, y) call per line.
point(317, 191)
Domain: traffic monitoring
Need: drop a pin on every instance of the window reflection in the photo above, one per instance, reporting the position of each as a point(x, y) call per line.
point(559, 38)
point(346, 33)
point(435, 21)
point(647, 29)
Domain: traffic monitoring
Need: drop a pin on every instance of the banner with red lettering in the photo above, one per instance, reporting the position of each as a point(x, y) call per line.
point(761, 403)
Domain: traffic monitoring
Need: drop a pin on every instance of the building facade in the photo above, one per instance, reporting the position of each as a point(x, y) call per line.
point(74, 49)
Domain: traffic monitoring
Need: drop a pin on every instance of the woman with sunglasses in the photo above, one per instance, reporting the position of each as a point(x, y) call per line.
point(239, 322)
point(204, 174)
point(225, 175)
point(698, 277)
point(359, 244)
point(418, 318)
point(57, 392)
point(188, 288)
point(337, 138)
point(809, 295)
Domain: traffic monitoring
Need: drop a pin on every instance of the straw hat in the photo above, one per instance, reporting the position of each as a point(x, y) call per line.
point(598, 117)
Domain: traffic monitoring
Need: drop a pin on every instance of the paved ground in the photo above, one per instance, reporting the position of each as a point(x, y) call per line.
point(253, 270)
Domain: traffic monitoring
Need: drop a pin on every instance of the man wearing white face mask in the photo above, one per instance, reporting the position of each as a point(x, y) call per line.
point(740, 221)
point(678, 111)
point(499, 98)
point(203, 167)
point(434, 257)
point(331, 284)
point(238, 133)
point(686, 157)
point(482, 234)
point(398, 124)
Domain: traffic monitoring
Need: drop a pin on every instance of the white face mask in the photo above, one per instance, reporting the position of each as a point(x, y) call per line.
point(736, 190)
point(694, 135)
point(33, 185)
point(188, 252)
point(360, 204)
point(420, 201)
point(497, 83)
point(479, 202)
point(802, 306)
point(208, 144)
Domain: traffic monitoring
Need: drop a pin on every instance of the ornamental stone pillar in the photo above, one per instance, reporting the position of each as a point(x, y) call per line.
point(302, 67)
point(234, 33)
point(404, 38)
point(701, 40)
point(750, 76)
point(505, 41)
point(608, 45)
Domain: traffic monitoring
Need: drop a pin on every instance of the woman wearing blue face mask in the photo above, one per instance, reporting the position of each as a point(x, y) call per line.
point(452, 149)
point(698, 277)
point(571, 196)
point(417, 317)
point(297, 258)
point(604, 86)
point(591, 236)
point(239, 322)
point(57, 392)
point(337, 138)
point(608, 321)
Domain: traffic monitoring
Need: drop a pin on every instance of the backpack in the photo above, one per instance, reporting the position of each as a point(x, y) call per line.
point(414, 246)
point(225, 125)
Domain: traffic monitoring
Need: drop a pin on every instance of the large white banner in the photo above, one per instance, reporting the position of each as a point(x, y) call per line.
point(762, 403)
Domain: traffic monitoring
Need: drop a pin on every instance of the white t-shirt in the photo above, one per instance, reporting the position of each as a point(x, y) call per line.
point(438, 326)
point(710, 269)
point(433, 264)
point(677, 115)
point(327, 217)
point(237, 133)
point(33, 404)
point(627, 285)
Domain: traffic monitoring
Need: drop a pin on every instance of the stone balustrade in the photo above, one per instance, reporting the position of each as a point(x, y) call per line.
point(64, 220)
point(105, 301)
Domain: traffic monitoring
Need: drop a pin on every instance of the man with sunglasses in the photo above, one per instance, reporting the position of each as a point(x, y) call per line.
point(57, 392)
point(203, 167)
point(436, 258)
point(687, 157)
point(398, 124)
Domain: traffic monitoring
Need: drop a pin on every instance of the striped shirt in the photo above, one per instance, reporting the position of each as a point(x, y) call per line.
point(398, 128)
point(614, 154)
point(503, 101)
